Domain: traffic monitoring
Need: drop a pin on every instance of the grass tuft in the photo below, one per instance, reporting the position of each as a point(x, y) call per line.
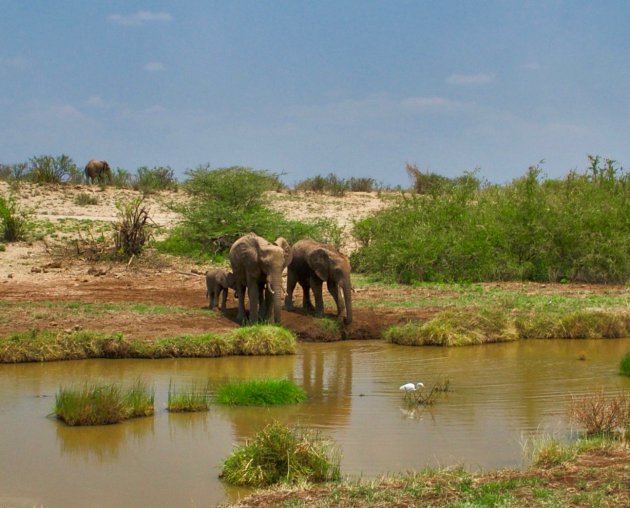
point(281, 454)
point(459, 327)
point(262, 339)
point(196, 399)
point(94, 404)
point(260, 392)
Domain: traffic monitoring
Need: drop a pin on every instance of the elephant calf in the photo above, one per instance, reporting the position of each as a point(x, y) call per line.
point(218, 282)
point(313, 264)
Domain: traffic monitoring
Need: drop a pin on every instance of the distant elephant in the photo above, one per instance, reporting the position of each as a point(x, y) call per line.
point(218, 282)
point(258, 265)
point(313, 263)
point(98, 170)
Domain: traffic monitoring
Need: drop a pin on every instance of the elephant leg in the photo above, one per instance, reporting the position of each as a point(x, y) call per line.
point(240, 295)
point(211, 298)
point(291, 282)
point(316, 284)
point(253, 292)
point(224, 299)
point(268, 302)
point(333, 289)
point(306, 297)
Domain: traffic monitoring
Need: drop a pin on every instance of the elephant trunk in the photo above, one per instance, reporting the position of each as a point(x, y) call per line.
point(276, 291)
point(347, 298)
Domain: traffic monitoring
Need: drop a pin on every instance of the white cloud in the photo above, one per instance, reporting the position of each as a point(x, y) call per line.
point(470, 79)
point(154, 66)
point(140, 18)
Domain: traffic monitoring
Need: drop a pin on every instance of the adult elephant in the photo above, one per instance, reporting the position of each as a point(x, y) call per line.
point(98, 170)
point(258, 265)
point(313, 264)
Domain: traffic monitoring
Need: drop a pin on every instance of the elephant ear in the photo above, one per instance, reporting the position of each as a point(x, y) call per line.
point(288, 251)
point(319, 262)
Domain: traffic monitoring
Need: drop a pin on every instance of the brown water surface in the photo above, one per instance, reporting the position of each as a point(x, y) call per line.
point(500, 396)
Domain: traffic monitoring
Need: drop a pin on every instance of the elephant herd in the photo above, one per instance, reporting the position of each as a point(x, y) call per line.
point(257, 267)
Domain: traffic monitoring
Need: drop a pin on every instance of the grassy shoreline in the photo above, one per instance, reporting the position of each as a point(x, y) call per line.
point(43, 346)
point(588, 473)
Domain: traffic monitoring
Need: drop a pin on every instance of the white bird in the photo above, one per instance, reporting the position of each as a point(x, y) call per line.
point(410, 387)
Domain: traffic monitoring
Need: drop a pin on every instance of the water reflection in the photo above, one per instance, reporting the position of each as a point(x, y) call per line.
point(499, 393)
point(103, 445)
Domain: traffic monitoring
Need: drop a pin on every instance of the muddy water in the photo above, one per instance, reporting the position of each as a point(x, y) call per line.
point(500, 396)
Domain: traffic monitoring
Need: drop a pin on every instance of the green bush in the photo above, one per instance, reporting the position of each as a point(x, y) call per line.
point(330, 184)
point(122, 179)
point(150, 180)
point(260, 392)
point(48, 169)
point(281, 454)
point(361, 184)
point(13, 221)
point(574, 229)
point(228, 203)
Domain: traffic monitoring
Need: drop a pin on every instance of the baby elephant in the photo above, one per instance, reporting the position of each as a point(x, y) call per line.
point(218, 282)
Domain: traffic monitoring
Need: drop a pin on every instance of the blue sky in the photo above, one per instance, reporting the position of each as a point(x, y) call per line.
point(356, 88)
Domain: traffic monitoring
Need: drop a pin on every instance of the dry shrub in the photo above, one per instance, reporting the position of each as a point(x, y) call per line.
point(133, 230)
point(600, 414)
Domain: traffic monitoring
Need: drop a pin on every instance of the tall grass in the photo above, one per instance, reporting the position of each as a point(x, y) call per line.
point(103, 404)
point(576, 228)
point(260, 392)
point(281, 454)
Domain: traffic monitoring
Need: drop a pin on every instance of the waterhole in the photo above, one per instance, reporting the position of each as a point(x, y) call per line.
point(500, 397)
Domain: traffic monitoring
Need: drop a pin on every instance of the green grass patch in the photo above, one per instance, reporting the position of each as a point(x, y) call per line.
point(103, 404)
point(624, 365)
point(260, 392)
point(41, 346)
point(281, 454)
point(195, 399)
